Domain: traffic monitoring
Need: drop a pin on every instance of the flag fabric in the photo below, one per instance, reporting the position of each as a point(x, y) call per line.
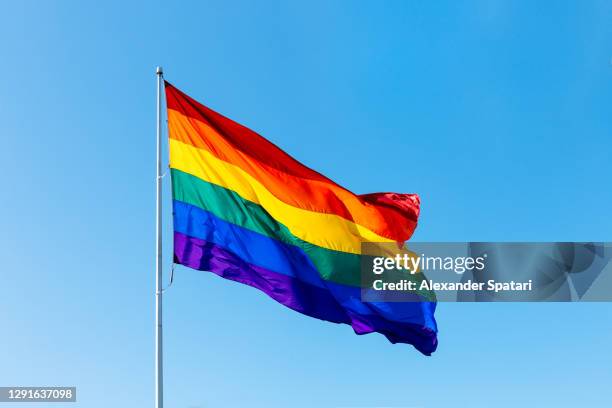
point(247, 211)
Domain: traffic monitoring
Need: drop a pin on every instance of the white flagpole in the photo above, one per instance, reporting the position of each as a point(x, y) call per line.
point(159, 377)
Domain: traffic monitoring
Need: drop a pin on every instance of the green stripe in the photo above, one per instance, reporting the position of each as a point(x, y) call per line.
point(334, 266)
point(339, 267)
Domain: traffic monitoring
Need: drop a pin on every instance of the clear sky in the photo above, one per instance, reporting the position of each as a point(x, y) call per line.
point(496, 112)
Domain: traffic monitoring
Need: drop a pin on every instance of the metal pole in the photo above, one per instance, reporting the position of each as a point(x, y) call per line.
point(159, 377)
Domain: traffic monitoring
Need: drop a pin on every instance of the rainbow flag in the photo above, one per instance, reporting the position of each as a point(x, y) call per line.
point(247, 211)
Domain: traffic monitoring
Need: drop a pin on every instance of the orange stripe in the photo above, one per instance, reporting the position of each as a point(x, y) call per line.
point(313, 195)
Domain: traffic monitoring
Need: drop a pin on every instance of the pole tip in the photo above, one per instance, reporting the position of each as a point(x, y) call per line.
point(159, 71)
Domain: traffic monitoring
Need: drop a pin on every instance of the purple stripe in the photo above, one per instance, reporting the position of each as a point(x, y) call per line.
point(335, 303)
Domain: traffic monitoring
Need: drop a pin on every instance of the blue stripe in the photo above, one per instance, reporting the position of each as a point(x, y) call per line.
point(313, 301)
point(289, 260)
point(248, 245)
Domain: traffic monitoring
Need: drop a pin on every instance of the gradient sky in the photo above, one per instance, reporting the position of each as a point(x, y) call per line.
point(496, 112)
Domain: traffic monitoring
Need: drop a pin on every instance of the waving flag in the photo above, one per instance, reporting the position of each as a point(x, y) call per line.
point(247, 211)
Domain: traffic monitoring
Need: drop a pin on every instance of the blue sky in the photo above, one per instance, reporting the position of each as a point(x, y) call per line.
point(497, 113)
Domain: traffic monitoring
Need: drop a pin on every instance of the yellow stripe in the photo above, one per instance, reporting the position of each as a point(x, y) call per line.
point(325, 230)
